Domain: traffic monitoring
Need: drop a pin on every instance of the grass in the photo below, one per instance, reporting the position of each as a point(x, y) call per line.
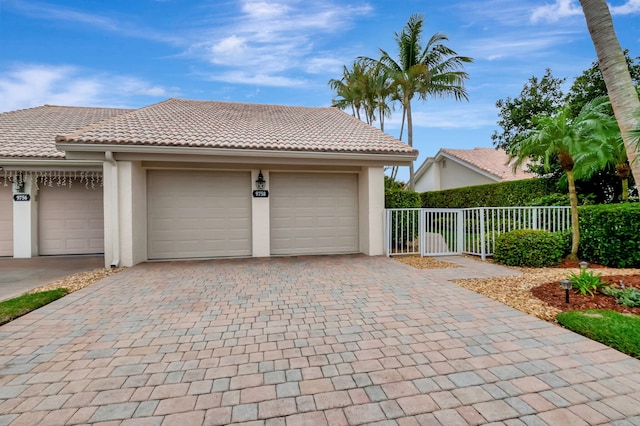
point(621, 332)
point(16, 307)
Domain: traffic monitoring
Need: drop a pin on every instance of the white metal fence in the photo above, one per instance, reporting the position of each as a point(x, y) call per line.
point(433, 232)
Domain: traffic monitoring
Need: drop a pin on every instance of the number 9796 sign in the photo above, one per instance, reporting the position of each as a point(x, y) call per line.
point(21, 197)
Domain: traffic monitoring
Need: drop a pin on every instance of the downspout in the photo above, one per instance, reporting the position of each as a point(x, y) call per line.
point(115, 214)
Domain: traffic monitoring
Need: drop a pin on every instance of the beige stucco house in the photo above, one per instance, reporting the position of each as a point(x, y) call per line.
point(457, 168)
point(186, 179)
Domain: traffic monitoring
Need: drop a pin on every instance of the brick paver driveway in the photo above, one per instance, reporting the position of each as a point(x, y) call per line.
point(316, 340)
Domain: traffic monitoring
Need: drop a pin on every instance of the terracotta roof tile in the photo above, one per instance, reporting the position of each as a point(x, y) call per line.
point(491, 160)
point(30, 133)
point(210, 124)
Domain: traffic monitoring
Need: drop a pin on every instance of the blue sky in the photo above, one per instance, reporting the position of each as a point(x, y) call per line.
point(124, 53)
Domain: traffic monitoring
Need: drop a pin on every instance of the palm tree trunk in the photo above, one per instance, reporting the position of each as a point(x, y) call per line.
point(625, 189)
point(615, 71)
point(575, 227)
point(404, 114)
point(410, 142)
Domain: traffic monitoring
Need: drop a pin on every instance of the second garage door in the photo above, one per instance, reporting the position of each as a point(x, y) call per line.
point(196, 214)
point(70, 220)
point(313, 213)
point(6, 220)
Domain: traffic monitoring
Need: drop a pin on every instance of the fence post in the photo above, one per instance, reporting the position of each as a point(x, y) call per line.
point(483, 250)
point(387, 231)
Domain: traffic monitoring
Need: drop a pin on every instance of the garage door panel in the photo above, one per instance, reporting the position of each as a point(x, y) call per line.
point(326, 222)
point(70, 220)
point(198, 214)
point(6, 220)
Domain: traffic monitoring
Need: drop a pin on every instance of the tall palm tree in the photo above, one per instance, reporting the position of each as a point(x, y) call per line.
point(561, 135)
point(429, 70)
point(623, 95)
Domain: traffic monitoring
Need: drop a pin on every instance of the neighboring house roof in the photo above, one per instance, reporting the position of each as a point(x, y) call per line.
point(494, 163)
point(210, 124)
point(30, 133)
point(491, 160)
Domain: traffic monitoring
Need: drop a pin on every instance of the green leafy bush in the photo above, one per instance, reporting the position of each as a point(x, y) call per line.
point(626, 296)
point(565, 239)
point(401, 199)
point(528, 247)
point(501, 194)
point(610, 234)
point(554, 199)
point(586, 282)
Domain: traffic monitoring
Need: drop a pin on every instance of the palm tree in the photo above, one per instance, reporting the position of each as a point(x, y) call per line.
point(604, 149)
point(348, 89)
point(623, 95)
point(429, 70)
point(561, 135)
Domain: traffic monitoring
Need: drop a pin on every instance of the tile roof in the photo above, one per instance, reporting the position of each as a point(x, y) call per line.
point(490, 160)
point(211, 124)
point(30, 133)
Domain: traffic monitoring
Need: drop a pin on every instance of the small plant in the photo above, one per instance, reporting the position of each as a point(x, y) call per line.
point(586, 282)
point(625, 296)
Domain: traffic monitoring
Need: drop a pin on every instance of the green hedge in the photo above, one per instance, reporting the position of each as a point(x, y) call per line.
point(401, 199)
point(502, 194)
point(404, 226)
point(527, 247)
point(610, 234)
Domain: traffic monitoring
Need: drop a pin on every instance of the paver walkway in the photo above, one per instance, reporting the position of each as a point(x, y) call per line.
point(335, 340)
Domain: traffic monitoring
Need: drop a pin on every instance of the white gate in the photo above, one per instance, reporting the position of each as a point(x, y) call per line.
point(436, 232)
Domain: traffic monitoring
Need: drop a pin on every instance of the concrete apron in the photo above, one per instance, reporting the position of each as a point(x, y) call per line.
point(18, 276)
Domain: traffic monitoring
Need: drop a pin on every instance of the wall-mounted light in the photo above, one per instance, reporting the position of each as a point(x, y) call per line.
point(260, 182)
point(18, 186)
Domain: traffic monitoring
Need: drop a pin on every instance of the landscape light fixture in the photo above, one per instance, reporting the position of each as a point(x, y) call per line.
point(260, 182)
point(566, 286)
point(583, 265)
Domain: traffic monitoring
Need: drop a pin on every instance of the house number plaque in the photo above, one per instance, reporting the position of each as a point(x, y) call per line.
point(21, 197)
point(260, 193)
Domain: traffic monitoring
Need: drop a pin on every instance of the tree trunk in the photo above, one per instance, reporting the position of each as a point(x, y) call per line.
point(615, 71)
point(575, 228)
point(410, 142)
point(625, 189)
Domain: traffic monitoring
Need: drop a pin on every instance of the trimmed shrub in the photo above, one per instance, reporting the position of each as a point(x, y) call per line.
point(502, 194)
point(528, 247)
point(610, 234)
point(401, 199)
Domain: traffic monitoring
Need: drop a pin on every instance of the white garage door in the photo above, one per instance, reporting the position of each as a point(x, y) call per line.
point(6, 220)
point(198, 214)
point(70, 220)
point(313, 213)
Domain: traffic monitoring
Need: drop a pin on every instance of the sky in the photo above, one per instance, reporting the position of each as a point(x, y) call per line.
point(124, 53)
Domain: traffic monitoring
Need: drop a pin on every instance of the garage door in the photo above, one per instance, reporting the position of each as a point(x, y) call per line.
point(6, 220)
point(198, 214)
point(313, 213)
point(70, 220)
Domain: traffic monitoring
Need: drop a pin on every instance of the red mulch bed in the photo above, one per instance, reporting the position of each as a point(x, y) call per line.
point(554, 295)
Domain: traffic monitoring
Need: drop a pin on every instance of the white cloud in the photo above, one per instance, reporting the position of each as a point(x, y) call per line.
point(29, 85)
point(561, 9)
point(272, 39)
point(628, 8)
point(556, 11)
